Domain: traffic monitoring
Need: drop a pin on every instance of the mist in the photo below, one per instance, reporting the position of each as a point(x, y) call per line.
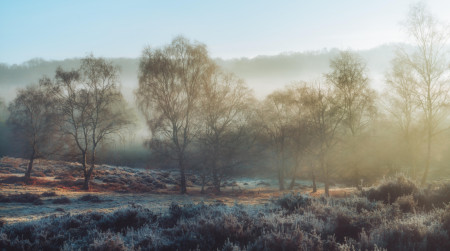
point(181, 144)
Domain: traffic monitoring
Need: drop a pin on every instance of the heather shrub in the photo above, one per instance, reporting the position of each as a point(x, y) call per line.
point(279, 240)
point(48, 194)
point(446, 220)
point(346, 227)
point(407, 203)
point(90, 198)
point(21, 198)
point(390, 189)
point(62, 200)
point(294, 222)
point(108, 242)
point(133, 217)
point(433, 198)
point(291, 202)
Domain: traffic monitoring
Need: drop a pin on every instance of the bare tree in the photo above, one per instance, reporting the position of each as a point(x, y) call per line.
point(429, 70)
point(170, 79)
point(300, 131)
point(34, 120)
point(277, 118)
point(93, 107)
point(349, 78)
point(325, 114)
point(224, 112)
point(402, 105)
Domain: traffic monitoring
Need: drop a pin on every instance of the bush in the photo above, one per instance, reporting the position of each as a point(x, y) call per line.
point(62, 200)
point(446, 220)
point(407, 203)
point(292, 222)
point(291, 202)
point(48, 194)
point(134, 217)
point(21, 198)
point(389, 190)
point(108, 243)
point(432, 198)
point(91, 198)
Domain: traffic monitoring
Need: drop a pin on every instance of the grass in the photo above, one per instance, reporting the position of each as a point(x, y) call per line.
point(289, 222)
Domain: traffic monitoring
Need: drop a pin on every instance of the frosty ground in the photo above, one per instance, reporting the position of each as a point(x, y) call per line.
point(140, 209)
point(119, 187)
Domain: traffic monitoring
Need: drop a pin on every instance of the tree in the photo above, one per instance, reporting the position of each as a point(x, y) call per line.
point(93, 107)
point(429, 72)
point(300, 130)
point(325, 115)
point(170, 79)
point(277, 118)
point(3, 128)
point(403, 107)
point(349, 78)
point(224, 112)
point(34, 120)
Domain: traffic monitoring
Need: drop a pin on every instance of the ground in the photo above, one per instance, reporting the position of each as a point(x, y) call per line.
point(122, 186)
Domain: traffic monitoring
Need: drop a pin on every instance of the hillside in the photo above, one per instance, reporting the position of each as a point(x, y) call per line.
point(263, 73)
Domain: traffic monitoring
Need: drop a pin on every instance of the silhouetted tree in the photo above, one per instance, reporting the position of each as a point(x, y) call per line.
point(300, 131)
point(277, 118)
point(170, 79)
point(93, 107)
point(326, 115)
point(34, 120)
point(224, 113)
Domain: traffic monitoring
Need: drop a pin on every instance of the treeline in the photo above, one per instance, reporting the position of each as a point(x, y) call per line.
point(204, 119)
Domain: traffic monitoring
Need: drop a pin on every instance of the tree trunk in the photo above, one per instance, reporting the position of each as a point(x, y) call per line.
point(314, 183)
point(427, 161)
point(28, 172)
point(327, 185)
point(203, 177)
point(88, 174)
point(86, 182)
point(281, 171)
point(280, 179)
point(182, 176)
point(294, 172)
point(216, 179)
point(83, 163)
point(291, 186)
point(87, 178)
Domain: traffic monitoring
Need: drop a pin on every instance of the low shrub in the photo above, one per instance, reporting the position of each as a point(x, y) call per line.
point(48, 194)
point(390, 189)
point(62, 200)
point(108, 243)
point(407, 203)
point(291, 202)
point(21, 198)
point(292, 222)
point(91, 198)
point(429, 198)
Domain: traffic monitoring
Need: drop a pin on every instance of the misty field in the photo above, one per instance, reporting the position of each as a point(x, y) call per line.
point(252, 215)
point(176, 147)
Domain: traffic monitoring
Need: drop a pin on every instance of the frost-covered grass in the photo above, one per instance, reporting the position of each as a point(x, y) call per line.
point(291, 222)
point(395, 215)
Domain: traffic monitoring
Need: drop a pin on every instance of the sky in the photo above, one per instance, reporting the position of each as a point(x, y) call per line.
point(55, 30)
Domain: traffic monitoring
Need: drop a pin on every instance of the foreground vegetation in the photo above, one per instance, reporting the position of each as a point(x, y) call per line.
point(396, 215)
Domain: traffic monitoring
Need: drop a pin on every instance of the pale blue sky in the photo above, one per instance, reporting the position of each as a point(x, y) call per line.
point(232, 28)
